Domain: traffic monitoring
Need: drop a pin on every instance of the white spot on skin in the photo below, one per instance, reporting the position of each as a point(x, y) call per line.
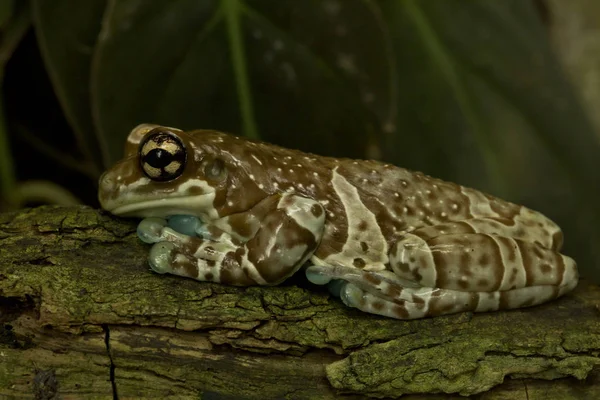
point(278, 169)
point(291, 171)
point(275, 184)
point(257, 160)
point(331, 215)
point(230, 203)
point(455, 206)
point(251, 176)
point(443, 214)
point(315, 174)
point(396, 194)
point(405, 209)
point(261, 186)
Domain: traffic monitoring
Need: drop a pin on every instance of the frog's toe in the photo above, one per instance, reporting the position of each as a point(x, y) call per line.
point(317, 275)
point(351, 295)
point(202, 231)
point(160, 257)
point(185, 224)
point(149, 229)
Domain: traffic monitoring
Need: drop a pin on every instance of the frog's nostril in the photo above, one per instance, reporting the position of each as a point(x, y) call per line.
point(108, 182)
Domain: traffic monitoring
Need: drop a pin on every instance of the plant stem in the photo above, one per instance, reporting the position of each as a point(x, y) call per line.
point(231, 9)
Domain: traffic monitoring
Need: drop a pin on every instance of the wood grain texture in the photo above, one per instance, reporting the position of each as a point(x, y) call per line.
point(82, 316)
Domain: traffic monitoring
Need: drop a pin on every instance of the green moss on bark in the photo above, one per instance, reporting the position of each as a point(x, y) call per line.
point(77, 299)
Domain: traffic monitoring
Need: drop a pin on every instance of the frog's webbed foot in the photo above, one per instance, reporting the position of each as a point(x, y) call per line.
point(285, 235)
point(149, 229)
point(175, 241)
point(376, 292)
point(180, 242)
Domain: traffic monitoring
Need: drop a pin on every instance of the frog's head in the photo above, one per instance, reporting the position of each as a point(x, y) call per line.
point(168, 172)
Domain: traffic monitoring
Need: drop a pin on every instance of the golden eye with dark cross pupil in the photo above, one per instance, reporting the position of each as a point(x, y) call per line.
point(162, 156)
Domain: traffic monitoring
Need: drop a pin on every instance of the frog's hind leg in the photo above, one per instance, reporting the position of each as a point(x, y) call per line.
point(497, 272)
point(380, 292)
point(448, 273)
point(480, 262)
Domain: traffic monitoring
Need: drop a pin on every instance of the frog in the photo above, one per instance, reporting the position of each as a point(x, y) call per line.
point(385, 240)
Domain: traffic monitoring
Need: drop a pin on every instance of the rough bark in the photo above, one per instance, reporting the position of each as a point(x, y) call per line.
point(83, 316)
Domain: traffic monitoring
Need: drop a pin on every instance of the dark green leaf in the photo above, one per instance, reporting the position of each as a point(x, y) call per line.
point(6, 11)
point(67, 31)
point(319, 77)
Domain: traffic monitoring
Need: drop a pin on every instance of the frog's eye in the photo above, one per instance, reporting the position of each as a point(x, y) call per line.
point(162, 155)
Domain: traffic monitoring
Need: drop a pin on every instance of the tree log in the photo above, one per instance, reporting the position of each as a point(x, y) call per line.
point(82, 316)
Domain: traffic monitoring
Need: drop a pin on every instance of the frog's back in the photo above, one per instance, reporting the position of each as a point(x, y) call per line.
point(403, 200)
point(397, 200)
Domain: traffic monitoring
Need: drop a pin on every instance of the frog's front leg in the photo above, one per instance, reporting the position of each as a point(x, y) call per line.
point(285, 230)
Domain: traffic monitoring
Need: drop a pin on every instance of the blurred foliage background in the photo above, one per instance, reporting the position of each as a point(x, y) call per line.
point(495, 95)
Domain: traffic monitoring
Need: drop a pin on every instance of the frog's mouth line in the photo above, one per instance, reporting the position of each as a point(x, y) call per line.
point(198, 205)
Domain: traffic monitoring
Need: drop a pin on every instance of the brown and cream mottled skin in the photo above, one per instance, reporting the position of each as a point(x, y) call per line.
point(403, 244)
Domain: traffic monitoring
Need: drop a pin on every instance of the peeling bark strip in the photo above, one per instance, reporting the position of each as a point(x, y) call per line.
point(70, 275)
